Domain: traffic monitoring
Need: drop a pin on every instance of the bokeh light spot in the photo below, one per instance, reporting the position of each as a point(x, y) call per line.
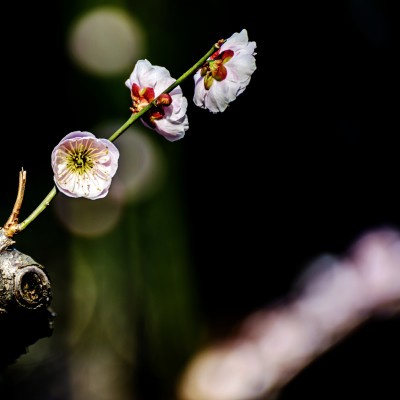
point(106, 41)
point(88, 218)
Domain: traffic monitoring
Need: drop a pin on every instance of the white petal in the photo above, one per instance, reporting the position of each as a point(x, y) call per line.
point(240, 68)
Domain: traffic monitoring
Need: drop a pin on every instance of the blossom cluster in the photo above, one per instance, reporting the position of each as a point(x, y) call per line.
point(84, 165)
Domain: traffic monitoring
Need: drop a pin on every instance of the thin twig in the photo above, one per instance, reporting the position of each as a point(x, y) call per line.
point(11, 227)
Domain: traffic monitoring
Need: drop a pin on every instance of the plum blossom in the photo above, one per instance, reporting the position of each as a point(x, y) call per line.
point(226, 74)
point(84, 165)
point(168, 117)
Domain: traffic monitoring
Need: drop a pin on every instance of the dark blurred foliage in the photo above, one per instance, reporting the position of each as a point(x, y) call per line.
point(302, 163)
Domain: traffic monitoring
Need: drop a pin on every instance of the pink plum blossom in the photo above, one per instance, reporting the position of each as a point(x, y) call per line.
point(226, 74)
point(83, 165)
point(168, 117)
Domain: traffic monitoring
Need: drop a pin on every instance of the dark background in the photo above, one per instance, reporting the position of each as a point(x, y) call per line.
point(302, 163)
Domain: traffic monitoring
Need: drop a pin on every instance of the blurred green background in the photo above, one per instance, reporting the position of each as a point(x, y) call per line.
point(198, 233)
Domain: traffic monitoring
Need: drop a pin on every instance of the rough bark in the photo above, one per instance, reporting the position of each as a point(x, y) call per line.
point(25, 297)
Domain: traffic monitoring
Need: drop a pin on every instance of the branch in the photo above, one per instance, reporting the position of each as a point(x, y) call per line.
point(332, 299)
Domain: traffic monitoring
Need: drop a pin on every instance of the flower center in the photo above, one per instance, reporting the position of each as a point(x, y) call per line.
point(80, 159)
point(214, 68)
point(142, 97)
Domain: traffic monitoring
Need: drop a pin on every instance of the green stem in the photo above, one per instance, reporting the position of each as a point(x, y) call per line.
point(134, 117)
point(42, 206)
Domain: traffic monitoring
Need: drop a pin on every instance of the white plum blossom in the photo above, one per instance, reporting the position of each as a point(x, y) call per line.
point(168, 117)
point(226, 74)
point(84, 165)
